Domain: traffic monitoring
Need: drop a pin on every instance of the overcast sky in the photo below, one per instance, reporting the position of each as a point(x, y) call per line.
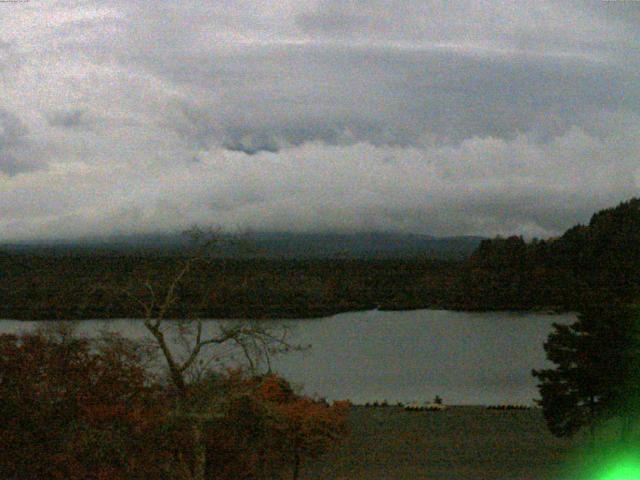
point(433, 117)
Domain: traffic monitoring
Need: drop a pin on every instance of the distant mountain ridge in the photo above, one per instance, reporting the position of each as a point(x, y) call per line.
point(276, 244)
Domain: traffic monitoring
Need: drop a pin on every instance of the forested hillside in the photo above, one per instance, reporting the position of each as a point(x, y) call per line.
point(601, 259)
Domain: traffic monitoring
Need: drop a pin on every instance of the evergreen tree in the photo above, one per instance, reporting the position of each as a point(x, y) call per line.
point(597, 362)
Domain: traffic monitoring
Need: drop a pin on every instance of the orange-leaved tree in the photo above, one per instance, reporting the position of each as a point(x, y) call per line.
point(269, 430)
point(74, 409)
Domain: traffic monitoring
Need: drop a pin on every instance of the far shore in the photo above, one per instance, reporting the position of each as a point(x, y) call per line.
point(311, 314)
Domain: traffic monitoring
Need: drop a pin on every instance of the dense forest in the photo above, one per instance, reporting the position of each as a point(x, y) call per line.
point(601, 260)
point(96, 286)
point(502, 273)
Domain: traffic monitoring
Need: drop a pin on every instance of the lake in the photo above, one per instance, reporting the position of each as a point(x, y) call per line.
point(465, 358)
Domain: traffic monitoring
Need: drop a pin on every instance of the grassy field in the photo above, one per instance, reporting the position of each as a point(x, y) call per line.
point(460, 443)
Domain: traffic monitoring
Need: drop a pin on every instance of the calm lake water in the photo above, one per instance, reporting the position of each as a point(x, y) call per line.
point(466, 358)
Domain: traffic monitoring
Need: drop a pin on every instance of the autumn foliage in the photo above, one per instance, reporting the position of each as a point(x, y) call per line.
point(72, 408)
point(270, 429)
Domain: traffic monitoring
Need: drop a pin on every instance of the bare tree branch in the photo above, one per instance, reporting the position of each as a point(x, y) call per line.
point(255, 342)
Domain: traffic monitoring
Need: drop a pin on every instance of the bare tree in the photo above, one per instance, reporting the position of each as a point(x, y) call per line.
point(190, 347)
point(185, 344)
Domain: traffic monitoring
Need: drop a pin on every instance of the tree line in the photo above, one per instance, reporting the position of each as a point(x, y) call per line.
point(601, 258)
point(81, 286)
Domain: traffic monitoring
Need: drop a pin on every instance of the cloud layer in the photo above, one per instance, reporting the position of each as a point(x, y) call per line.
point(314, 115)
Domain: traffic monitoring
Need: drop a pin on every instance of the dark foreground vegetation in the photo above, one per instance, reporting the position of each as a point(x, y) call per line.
point(596, 377)
point(72, 408)
point(601, 260)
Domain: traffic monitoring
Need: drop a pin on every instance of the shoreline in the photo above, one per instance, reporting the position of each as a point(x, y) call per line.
point(308, 315)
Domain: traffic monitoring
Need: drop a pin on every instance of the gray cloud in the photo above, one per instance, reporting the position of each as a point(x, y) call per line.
point(440, 118)
point(14, 158)
point(11, 129)
point(543, 28)
point(482, 185)
point(395, 98)
point(67, 118)
point(331, 22)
